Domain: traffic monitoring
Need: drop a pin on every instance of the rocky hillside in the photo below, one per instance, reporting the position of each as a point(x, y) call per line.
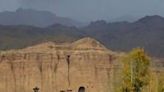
point(15, 37)
point(147, 32)
point(58, 67)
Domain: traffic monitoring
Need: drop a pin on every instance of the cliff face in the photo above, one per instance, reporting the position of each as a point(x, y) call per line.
point(58, 68)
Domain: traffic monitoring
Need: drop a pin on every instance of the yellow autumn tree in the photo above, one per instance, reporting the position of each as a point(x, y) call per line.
point(135, 71)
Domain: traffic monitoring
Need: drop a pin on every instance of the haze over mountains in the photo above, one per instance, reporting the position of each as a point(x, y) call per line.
point(35, 18)
point(147, 32)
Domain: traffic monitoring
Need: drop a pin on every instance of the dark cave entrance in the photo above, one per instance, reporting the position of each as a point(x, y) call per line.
point(81, 89)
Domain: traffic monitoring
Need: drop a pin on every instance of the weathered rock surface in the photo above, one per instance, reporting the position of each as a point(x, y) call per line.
point(58, 68)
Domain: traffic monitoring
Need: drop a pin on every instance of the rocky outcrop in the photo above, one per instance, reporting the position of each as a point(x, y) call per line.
point(58, 68)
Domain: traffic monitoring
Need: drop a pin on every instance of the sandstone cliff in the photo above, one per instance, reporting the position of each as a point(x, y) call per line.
point(58, 67)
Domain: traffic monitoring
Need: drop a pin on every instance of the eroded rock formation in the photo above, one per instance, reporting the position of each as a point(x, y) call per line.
point(58, 68)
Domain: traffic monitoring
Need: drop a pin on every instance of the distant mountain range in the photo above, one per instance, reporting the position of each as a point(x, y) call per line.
point(34, 18)
point(128, 18)
point(147, 32)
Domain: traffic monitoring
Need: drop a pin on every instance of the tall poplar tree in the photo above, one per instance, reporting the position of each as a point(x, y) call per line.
point(135, 71)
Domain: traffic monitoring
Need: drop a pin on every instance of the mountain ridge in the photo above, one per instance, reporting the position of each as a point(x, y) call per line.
point(33, 17)
point(118, 36)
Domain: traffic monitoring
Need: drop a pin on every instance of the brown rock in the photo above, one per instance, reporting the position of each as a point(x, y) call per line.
point(84, 64)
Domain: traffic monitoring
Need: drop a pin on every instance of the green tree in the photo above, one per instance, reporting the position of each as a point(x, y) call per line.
point(135, 71)
point(160, 82)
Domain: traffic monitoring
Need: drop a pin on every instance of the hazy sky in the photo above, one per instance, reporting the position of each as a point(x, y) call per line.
point(87, 10)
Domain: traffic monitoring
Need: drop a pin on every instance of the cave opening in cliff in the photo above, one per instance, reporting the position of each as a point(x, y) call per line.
point(62, 91)
point(81, 89)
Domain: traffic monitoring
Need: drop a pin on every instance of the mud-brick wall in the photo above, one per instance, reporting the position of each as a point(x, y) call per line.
point(57, 71)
